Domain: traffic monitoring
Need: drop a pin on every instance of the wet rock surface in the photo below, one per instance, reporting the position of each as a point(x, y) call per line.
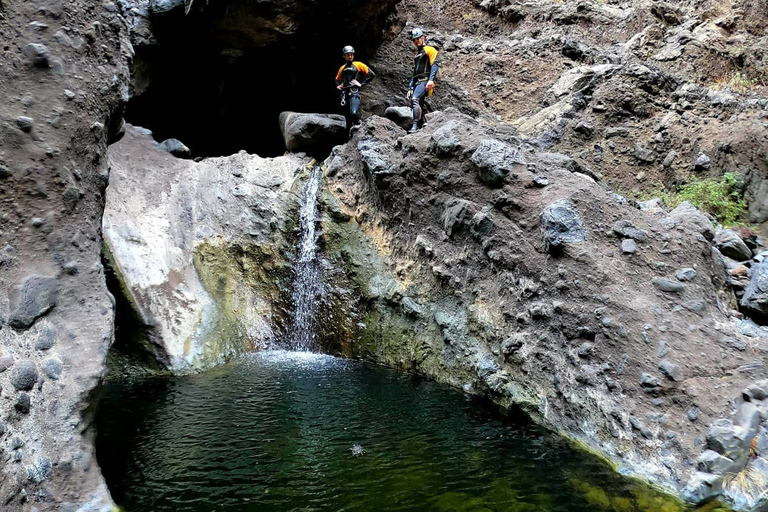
point(199, 252)
point(583, 330)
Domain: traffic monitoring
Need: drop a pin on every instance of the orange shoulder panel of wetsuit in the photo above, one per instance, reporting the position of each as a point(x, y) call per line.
point(432, 53)
point(338, 75)
point(361, 67)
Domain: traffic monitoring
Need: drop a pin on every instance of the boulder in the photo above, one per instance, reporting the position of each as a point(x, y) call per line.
point(755, 299)
point(164, 7)
point(314, 134)
point(561, 225)
point(494, 160)
point(730, 244)
point(732, 441)
point(702, 486)
point(687, 217)
point(402, 116)
point(176, 148)
point(444, 141)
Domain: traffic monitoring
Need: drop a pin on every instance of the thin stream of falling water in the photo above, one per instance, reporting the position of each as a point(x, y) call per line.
point(308, 284)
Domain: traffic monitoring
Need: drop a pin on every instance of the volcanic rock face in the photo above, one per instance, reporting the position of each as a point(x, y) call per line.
point(63, 79)
point(198, 247)
point(457, 279)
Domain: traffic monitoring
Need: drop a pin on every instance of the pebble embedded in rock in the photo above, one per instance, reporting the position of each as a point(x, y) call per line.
point(46, 339)
point(585, 349)
point(70, 268)
point(6, 361)
point(22, 403)
point(444, 141)
point(686, 274)
point(583, 128)
point(628, 246)
point(561, 224)
point(755, 298)
point(644, 154)
point(32, 298)
point(712, 462)
point(667, 285)
point(24, 375)
point(757, 390)
point(669, 159)
point(52, 368)
point(540, 181)
point(728, 439)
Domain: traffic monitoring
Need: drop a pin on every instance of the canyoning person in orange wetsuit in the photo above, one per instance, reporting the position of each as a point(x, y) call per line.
point(423, 80)
point(350, 78)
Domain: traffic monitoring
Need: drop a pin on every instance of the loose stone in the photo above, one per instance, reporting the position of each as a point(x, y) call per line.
point(686, 274)
point(703, 162)
point(37, 54)
point(667, 285)
point(25, 123)
point(670, 370)
point(628, 246)
point(648, 381)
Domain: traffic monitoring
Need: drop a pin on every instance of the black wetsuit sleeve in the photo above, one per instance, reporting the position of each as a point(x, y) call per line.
point(433, 71)
point(368, 77)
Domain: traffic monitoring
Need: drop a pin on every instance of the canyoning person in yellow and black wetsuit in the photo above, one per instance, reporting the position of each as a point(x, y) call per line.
point(350, 78)
point(423, 79)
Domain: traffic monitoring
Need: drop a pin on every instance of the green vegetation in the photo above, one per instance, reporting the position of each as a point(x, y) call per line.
point(721, 197)
point(738, 81)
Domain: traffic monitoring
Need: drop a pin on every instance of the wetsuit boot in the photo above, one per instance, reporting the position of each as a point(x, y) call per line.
point(416, 116)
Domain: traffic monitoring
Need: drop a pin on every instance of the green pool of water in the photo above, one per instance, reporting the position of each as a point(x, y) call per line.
point(300, 432)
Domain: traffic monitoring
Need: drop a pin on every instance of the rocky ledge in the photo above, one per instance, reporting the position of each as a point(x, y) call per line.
point(515, 274)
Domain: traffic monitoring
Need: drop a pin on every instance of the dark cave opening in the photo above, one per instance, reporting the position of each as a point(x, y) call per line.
point(220, 88)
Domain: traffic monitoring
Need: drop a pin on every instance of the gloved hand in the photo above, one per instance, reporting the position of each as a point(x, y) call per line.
point(355, 83)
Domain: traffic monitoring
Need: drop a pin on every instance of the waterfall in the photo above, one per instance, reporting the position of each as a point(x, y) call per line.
point(308, 283)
